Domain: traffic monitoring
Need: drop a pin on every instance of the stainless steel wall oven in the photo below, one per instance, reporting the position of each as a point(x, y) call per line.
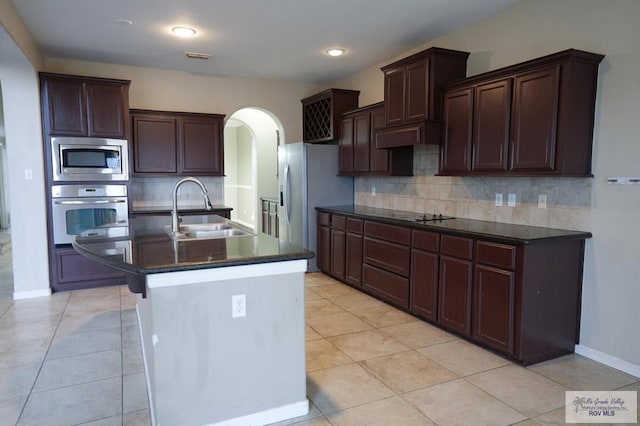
point(82, 210)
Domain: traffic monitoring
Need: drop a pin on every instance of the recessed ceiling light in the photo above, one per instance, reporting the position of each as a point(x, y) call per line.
point(335, 52)
point(125, 22)
point(183, 31)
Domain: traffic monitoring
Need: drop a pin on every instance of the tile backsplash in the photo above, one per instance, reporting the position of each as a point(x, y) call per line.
point(157, 191)
point(568, 199)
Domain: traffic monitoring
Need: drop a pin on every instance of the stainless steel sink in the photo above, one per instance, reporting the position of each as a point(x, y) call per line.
point(198, 227)
point(202, 231)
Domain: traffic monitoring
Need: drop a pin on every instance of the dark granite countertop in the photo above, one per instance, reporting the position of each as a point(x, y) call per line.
point(163, 210)
point(148, 249)
point(492, 231)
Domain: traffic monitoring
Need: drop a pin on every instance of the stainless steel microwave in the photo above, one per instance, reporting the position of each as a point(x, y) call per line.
point(89, 159)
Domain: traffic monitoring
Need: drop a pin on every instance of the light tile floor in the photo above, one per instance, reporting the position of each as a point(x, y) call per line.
point(74, 358)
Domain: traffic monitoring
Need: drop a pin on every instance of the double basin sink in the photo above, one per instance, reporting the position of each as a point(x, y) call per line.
point(203, 231)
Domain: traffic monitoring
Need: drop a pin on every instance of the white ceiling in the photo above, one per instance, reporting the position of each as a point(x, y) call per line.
point(275, 39)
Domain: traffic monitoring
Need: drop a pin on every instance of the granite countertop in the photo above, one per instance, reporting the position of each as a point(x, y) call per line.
point(492, 231)
point(166, 209)
point(148, 249)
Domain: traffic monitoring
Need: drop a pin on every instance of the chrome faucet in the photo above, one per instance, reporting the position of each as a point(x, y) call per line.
point(175, 222)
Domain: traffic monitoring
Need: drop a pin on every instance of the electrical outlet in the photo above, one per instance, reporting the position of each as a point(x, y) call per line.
point(511, 202)
point(373, 191)
point(498, 200)
point(542, 201)
point(28, 174)
point(238, 306)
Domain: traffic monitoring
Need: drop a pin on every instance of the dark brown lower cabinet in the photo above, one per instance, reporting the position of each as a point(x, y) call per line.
point(386, 285)
point(493, 301)
point(353, 272)
point(338, 246)
point(425, 259)
point(387, 262)
point(424, 284)
point(323, 251)
point(455, 294)
point(75, 271)
point(521, 300)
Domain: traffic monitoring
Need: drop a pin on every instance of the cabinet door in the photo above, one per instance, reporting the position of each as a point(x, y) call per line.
point(416, 90)
point(202, 150)
point(106, 110)
point(66, 107)
point(424, 284)
point(324, 249)
point(361, 142)
point(154, 144)
point(493, 299)
point(454, 304)
point(72, 267)
point(378, 158)
point(458, 128)
point(535, 114)
point(338, 246)
point(345, 150)
point(492, 112)
point(353, 273)
point(394, 97)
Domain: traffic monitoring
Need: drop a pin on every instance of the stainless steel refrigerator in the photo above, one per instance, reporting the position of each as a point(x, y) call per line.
point(307, 178)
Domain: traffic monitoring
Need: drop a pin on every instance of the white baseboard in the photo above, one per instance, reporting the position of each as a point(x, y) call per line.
point(272, 415)
point(608, 360)
point(17, 295)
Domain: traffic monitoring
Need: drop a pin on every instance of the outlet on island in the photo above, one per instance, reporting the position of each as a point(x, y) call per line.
point(238, 306)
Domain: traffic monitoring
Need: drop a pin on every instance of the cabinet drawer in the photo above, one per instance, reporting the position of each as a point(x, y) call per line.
point(457, 247)
point(273, 207)
point(494, 254)
point(338, 222)
point(391, 233)
point(354, 225)
point(423, 240)
point(392, 257)
point(265, 206)
point(323, 218)
point(387, 286)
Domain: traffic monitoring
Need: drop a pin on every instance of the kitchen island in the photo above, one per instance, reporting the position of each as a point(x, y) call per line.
point(221, 322)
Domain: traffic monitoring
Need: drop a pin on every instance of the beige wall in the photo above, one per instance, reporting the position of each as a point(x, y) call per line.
point(23, 137)
point(532, 28)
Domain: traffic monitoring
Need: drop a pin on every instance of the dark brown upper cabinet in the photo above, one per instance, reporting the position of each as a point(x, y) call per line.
point(530, 119)
point(172, 143)
point(358, 154)
point(458, 112)
point(84, 106)
point(413, 96)
point(321, 114)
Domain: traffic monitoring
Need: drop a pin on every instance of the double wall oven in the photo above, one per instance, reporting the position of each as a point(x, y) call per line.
point(89, 190)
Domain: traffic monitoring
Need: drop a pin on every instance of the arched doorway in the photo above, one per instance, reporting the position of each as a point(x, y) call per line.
point(251, 138)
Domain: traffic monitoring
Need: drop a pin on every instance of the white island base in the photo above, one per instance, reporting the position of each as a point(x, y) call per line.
point(206, 367)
